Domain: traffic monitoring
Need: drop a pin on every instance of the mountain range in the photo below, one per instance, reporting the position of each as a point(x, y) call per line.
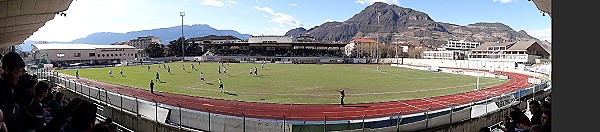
point(164, 34)
point(404, 25)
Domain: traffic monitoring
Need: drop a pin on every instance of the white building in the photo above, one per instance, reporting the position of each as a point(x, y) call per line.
point(83, 53)
point(461, 45)
point(520, 52)
point(270, 39)
point(353, 46)
point(141, 43)
point(446, 54)
point(453, 50)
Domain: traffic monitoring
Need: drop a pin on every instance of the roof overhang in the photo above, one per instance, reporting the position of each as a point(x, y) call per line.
point(544, 6)
point(19, 19)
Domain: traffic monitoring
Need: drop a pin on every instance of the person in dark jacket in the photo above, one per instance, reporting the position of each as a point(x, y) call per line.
point(13, 67)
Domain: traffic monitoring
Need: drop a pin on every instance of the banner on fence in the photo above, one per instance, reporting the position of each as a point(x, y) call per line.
point(503, 100)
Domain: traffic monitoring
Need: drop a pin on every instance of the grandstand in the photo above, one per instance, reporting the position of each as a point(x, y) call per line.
point(275, 46)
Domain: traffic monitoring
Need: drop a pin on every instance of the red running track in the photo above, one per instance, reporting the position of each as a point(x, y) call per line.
point(316, 112)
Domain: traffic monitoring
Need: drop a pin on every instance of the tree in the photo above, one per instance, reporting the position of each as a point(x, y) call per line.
point(175, 47)
point(192, 49)
point(155, 50)
point(416, 52)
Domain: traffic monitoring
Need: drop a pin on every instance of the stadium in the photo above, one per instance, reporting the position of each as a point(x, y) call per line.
point(281, 83)
point(300, 92)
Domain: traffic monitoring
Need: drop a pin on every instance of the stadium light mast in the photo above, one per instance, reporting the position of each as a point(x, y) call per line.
point(377, 36)
point(478, 63)
point(182, 38)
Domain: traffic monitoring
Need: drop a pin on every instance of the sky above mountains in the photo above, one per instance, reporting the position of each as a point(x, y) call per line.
point(273, 17)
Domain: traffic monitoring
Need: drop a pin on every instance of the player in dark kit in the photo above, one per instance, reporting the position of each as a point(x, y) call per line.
point(77, 74)
point(157, 76)
point(342, 95)
point(151, 86)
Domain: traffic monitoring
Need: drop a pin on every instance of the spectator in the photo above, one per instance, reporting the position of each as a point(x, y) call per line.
point(545, 105)
point(515, 124)
point(34, 113)
point(59, 118)
point(534, 108)
point(57, 110)
point(522, 117)
point(58, 101)
point(49, 97)
point(71, 106)
point(83, 118)
point(546, 121)
point(13, 67)
point(25, 94)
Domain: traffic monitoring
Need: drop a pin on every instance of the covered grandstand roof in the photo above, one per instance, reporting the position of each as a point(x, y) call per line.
point(544, 6)
point(19, 19)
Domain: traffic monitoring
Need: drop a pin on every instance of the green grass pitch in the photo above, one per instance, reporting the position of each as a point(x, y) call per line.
point(292, 83)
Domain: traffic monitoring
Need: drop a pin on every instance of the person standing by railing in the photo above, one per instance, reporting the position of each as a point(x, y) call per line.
point(151, 86)
point(342, 95)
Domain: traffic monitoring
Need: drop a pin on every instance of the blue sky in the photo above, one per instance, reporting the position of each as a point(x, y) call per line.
point(273, 17)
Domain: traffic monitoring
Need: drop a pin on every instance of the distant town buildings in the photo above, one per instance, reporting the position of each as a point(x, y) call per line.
point(354, 47)
point(453, 50)
point(141, 43)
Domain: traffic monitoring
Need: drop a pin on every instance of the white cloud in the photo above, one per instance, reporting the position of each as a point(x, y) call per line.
point(505, 1)
point(231, 2)
point(265, 9)
point(293, 4)
point(212, 3)
point(544, 34)
point(283, 18)
point(395, 2)
point(279, 17)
